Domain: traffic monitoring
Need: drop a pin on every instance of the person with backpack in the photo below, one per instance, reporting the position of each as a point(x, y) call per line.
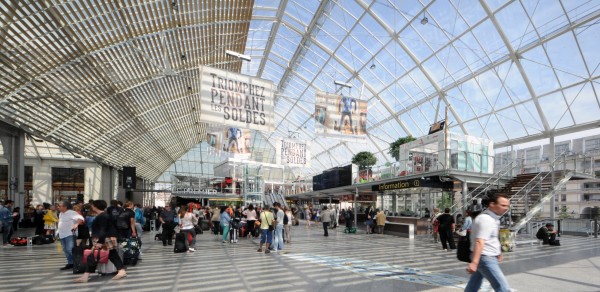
point(126, 222)
point(140, 219)
point(485, 246)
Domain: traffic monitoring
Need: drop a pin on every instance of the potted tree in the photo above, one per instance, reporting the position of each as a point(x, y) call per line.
point(364, 160)
point(395, 146)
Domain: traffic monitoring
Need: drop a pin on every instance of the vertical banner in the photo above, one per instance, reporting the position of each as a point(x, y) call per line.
point(237, 100)
point(339, 115)
point(292, 153)
point(236, 140)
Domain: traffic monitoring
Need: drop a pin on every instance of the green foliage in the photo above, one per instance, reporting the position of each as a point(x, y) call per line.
point(445, 201)
point(564, 213)
point(364, 159)
point(395, 146)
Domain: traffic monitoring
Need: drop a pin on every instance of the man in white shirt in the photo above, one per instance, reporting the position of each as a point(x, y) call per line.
point(485, 245)
point(68, 221)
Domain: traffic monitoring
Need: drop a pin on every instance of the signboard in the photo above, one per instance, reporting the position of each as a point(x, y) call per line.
point(339, 115)
point(427, 182)
point(292, 153)
point(236, 100)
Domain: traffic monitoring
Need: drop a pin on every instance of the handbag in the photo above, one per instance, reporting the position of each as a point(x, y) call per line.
point(94, 256)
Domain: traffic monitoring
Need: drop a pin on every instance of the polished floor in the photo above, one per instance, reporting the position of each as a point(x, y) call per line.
point(312, 262)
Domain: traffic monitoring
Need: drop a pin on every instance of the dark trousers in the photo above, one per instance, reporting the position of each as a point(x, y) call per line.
point(446, 237)
point(113, 256)
point(250, 225)
point(217, 227)
point(124, 234)
point(325, 228)
point(167, 233)
point(551, 239)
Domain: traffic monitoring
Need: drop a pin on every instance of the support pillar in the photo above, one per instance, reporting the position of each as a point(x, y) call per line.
point(552, 156)
point(465, 197)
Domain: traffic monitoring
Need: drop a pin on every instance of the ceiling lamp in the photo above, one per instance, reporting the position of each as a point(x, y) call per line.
point(424, 21)
point(373, 66)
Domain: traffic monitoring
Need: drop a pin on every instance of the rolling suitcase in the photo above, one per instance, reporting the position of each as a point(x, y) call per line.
point(180, 245)
point(109, 268)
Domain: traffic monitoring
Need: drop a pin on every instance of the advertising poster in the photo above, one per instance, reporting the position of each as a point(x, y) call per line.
point(292, 153)
point(340, 115)
point(236, 140)
point(236, 100)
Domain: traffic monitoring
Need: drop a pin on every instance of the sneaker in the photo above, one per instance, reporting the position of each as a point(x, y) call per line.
point(67, 267)
point(259, 250)
point(267, 251)
point(445, 249)
point(192, 249)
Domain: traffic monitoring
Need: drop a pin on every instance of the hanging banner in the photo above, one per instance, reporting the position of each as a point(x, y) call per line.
point(236, 140)
point(339, 115)
point(237, 100)
point(292, 153)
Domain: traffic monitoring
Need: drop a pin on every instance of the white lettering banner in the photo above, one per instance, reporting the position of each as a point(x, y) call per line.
point(237, 100)
point(292, 153)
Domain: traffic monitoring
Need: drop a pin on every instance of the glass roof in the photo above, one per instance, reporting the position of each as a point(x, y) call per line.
point(112, 81)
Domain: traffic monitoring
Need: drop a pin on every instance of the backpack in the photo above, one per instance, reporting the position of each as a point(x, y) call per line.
point(285, 219)
point(123, 220)
point(139, 217)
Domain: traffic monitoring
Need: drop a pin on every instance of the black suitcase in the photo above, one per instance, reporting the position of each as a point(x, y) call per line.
point(180, 245)
point(463, 249)
point(78, 266)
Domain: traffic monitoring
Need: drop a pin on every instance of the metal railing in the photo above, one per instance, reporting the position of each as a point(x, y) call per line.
point(482, 188)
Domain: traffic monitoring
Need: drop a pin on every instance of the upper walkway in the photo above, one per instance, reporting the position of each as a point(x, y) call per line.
point(340, 262)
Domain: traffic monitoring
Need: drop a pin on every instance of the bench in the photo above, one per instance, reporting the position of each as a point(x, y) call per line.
point(400, 229)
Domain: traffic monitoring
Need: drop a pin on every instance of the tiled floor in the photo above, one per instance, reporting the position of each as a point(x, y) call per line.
point(340, 262)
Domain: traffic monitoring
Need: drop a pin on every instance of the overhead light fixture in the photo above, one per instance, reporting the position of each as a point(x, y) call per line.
point(238, 55)
point(425, 20)
point(342, 84)
point(373, 66)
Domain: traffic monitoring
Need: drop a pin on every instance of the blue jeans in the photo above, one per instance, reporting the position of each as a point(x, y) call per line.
point(278, 241)
point(488, 268)
point(67, 247)
point(7, 232)
point(266, 236)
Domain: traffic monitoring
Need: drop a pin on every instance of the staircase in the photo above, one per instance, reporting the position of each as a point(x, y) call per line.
point(271, 198)
point(533, 207)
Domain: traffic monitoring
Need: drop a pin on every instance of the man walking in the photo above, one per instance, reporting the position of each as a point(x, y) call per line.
point(446, 229)
point(487, 252)
point(68, 221)
point(326, 219)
